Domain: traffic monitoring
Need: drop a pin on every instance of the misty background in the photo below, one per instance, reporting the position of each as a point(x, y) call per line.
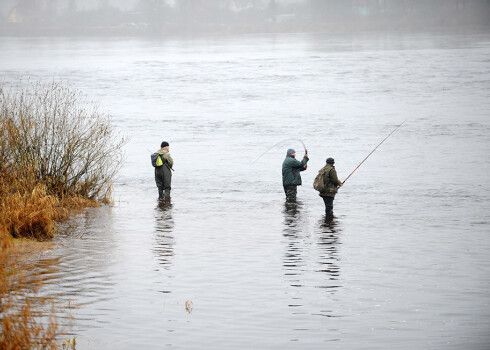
point(175, 17)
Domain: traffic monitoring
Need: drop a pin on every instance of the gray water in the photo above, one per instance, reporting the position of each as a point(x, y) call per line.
point(403, 264)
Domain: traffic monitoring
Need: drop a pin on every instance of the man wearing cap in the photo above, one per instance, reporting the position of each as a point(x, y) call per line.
point(331, 182)
point(163, 174)
point(291, 177)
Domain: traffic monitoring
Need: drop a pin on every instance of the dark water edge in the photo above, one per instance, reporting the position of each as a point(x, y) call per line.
point(350, 29)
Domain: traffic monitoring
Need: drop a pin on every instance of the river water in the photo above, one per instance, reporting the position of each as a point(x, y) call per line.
point(226, 264)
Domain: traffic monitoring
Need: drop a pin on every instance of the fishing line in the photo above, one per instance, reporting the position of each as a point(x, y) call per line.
point(277, 144)
point(373, 151)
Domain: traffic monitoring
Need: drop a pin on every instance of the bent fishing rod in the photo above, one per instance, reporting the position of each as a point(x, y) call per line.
point(375, 148)
point(277, 144)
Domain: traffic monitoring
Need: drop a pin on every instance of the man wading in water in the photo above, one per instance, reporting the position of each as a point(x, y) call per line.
point(331, 182)
point(291, 177)
point(163, 173)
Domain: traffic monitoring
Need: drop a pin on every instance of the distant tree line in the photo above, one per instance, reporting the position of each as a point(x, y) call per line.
point(223, 16)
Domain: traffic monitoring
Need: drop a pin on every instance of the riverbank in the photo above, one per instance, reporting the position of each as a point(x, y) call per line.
point(57, 154)
point(56, 158)
point(24, 324)
point(31, 250)
point(32, 216)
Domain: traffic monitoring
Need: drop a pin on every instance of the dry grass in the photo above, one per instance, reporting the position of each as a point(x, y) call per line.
point(28, 210)
point(56, 156)
point(22, 326)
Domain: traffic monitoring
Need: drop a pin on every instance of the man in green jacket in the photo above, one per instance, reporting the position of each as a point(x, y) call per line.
point(291, 177)
point(332, 183)
point(163, 174)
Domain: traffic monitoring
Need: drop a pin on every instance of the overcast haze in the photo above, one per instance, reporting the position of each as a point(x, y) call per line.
point(174, 17)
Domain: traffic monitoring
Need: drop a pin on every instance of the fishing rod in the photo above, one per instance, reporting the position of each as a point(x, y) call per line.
point(373, 151)
point(277, 144)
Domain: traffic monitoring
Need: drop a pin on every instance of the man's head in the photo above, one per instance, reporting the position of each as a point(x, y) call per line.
point(291, 152)
point(164, 144)
point(330, 161)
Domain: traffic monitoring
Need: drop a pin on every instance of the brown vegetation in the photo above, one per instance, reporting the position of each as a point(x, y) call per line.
point(55, 156)
point(29, 211)
point(50, 136)
point(22, 325)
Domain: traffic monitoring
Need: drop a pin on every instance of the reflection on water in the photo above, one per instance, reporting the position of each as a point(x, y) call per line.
point(164, 239)
point(311, 261)
point(293, 260)
point(86, 257)
point(300, 254)
point(79, 275)
point(294, 264)
point(328, 256)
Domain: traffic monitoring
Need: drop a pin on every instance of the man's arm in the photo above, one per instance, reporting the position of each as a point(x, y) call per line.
point(302, 165)
point(334, 179)
point(169, 159)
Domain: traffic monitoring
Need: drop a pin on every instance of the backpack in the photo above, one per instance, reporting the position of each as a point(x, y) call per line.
point(319, 182)
point(156, 160)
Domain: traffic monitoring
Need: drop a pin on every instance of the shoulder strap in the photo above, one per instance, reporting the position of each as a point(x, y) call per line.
point(327, 173)
point(324, 170)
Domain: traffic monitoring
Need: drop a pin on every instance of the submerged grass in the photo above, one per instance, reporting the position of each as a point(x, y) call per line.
point(56, 156)
point(23, 325)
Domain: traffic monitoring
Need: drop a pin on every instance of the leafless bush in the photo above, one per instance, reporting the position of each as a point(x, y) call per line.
point(50, 132)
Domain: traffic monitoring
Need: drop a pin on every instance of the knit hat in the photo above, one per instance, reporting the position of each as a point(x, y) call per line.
point(164, 144)
point(290, 151)
point(330, 161)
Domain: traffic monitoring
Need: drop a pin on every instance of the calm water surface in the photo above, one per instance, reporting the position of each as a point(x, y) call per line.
point(403, 264)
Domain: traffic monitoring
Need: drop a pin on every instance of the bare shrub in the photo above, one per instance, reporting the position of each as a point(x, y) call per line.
point(56, 155)
point(48, 131)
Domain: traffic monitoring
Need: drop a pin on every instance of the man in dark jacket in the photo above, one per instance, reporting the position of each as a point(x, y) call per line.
point(163, 173)
point(291, 177)
point(331, 182)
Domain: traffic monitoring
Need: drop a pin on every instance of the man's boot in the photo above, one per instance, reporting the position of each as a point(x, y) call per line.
point(160, 193)
point(167, 193)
